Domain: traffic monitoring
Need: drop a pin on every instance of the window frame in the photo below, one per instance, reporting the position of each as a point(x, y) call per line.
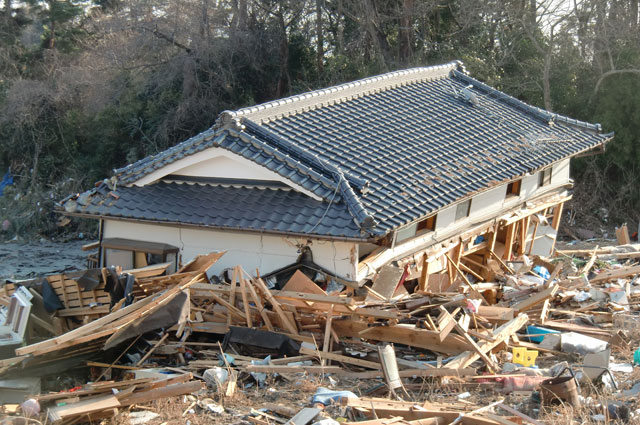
point(460, 207)
point(545, 177)
point(427, 225)
point(514, 188)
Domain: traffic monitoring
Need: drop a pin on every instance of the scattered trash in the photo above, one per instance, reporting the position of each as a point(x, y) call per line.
point(142, 417)
point(573, 342)
point(326, 396)
point(215, 377)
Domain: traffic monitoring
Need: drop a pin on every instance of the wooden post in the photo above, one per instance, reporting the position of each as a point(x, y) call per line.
point(472, 290)
point(327, 332)
point(508, 242)
point(557, 216)
point(258, 303)
point(232, 295)
point(492, 244)
point(424, 274)
point(245, 300)
point(524, 229)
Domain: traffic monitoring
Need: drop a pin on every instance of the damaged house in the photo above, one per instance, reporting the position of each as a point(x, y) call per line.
point(427, 170)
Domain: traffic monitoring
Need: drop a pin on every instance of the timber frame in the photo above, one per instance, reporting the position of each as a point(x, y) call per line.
point(481, 250)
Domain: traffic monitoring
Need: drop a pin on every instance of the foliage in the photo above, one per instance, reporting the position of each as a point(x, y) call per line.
point(86, 87)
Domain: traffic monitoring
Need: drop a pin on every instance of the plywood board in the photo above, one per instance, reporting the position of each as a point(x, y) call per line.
point(386, 282)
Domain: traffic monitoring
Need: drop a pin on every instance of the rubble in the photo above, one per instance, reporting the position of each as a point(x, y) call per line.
point(545, 330)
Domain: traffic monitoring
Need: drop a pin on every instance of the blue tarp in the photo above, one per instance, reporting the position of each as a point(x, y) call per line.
point(7, 180)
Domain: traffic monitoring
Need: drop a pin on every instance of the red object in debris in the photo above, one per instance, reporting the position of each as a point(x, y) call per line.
point(521, 383)
point(74, 389)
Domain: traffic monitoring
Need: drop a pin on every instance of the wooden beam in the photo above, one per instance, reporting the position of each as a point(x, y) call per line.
point(446, 322)
point(502, 263)
point(408, 373)
point(493, 368)
point(524, 229)
point(259, 305)
point(508, 242)
point(500, 335)
point(469, 270)
point(557, 215)
point(152, 349)
point(424, 274)
point(327, 332)
point(341, 358)
point(616, 274)
point(401, 334)
point(472, 289)
point(284, 319)
point(245, 301)
point(536, 299)
point(315, 298)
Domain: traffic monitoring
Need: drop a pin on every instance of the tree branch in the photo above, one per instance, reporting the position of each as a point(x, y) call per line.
point(167, 38)
point(612, 72)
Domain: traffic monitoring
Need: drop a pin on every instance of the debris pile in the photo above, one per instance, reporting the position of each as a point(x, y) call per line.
point(543, 332)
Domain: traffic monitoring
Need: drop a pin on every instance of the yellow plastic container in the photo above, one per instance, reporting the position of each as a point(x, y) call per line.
point(524, 357)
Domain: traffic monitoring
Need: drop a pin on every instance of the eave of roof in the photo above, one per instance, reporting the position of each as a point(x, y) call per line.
point(258, 208)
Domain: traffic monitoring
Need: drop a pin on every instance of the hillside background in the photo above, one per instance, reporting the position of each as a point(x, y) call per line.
point(88, 86)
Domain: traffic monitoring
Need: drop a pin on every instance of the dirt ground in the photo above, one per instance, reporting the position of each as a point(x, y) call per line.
point(24, 260)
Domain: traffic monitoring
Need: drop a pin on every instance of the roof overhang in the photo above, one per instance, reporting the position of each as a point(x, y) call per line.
point(218, 228)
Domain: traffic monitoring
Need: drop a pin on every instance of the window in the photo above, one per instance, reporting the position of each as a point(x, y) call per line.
point(415, 229)
point(462, 210)
point(427, 225)
point(545, 177)
point(513, 188)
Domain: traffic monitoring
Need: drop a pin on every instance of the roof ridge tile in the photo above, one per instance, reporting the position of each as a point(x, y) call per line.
point(343, 92)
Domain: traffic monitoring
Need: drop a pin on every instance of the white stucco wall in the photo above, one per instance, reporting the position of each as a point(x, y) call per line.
point(561, 172)
point(226, 166)
point(529, 185)
point(445, 218)
point(250, 250)
point(487, 201)
point(219, 162)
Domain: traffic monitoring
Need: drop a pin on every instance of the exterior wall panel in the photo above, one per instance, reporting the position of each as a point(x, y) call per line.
point(250, 250)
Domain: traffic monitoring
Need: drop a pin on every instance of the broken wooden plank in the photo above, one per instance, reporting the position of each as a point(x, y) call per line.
point(616, 274)
point(245, 301)
point(410, 373)
point(89, 405)
point(446, 322)
point(258, 303)
point(314, 298)
point(500, 335)
point(536, 299)
point(292, 369)
point(479, 351)
point(284, 319)
point(401, 334)
point(327, 332)
point(340, 358)
point(386, 282)
point(519, 414)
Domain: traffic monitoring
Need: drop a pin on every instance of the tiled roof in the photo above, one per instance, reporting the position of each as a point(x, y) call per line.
point(262, 209)
point(387, 150)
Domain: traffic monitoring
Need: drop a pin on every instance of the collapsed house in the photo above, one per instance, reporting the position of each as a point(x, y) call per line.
point(426, 169)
